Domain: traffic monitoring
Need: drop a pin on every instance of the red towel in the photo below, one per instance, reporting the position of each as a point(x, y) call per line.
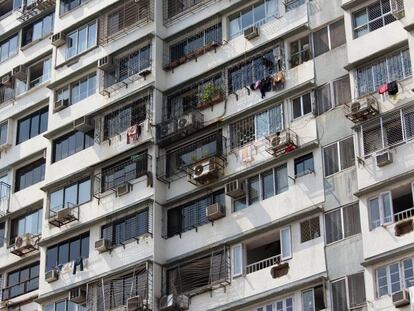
point(383, 88)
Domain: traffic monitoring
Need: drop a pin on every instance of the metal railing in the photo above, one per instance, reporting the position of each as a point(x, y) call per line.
point(63, 214)
point(7, 93)
point(408, 213)
point(32, 8)
point(19, 289)
point(263, 264)
point(174, 10)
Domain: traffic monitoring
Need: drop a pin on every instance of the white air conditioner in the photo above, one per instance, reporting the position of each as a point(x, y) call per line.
point(174, 303)
point(186, 121)
point(83, 124)
point(58, 39)
point(362, 105)
point(7, 80)
point(167, 129)
point(383, 158)
point(235, 189)
point(52, 275)
point(103, 245)
point(20, 73)
point(23, 242)
point(401, 298)
point(251, 32)
point(397, 9)
point(105, 63)
point(123, 189)
point(135, 303)
point(60, 104)
point(78, 295)
point(215, 211)
point(205, 170)
point(278, 140)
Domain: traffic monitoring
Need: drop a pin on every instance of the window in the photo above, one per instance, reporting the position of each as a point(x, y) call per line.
point(255, 15)
point(37, 74)
point(328, 38)
point(349, 292)
point(29, 223)
point(313, 300)
point(67, 251)
point(69, 5)
point(121, 119)
point(299, 52)
point(285, 304)
point(310, 229)
point(373, 17)
point(332, 94)
point(9, 6)
point(71, 143)
point(127, 228)
point(342, 223)
point(7, 91)
point(394, 277)
point(212, 34)
point(8, 48)
point(286, 243)
point(339, 156)
point(293, 4)
point(396, 66)
point(21, 281)
point(302, 105)
point(304, 165)
point(341, 91)
point(78, 90)
point(76, 194)
point(237, 260)
point(124, 171)
point(256, 127)
point(30, 174)
point(81, 39)
point(38, 30)
point(380, 210)
point(3, 133)
point(193, 214)
point(32, 125)
point(64, 305)
point(2, 236)
point(254, 69)
point(267, 184)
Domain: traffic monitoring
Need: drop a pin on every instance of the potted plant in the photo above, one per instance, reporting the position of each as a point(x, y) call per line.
point(210, 95)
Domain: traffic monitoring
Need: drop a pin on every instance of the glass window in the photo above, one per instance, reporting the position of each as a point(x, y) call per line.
point(78, 90)
point(81, 39)
point(304, 165)
point(342, 91)
point(299, 52)
point(237, 256)
point(2, 234)
point(253, 190)
point(302, 105)
point(268, 184)
point(339, 295)
point(38, 30)
point(337, 33)
point(320, 41)
point(30, 174)
point(72, 143)
point(356, 290)
point(22, 281)
point(8, 48)
point(342, 223)
point(310, 229)
point(32, 125)
point(286, 243)
point(75, 194)
point(339, 156)
point(323, 98)
point(380, 210)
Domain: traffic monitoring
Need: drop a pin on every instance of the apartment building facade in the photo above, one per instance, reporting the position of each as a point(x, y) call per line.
point(206, 155)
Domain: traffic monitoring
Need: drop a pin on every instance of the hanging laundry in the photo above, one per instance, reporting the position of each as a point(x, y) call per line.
point(392, 88)
point(76, 263)
point(265, 86)
point(246, 153)
point(133, 133)
point(383, 88)
point(277, 78)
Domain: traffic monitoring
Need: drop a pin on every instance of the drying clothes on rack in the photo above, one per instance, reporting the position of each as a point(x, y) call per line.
point(133, 133)
point(383, 88)
point(76, 263)
point(256, 85)
point(246, 153)
point(392, 88)
point(265, 86)
point(277, 78)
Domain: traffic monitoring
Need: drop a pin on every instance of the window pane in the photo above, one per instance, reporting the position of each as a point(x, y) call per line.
point(82, 40)
point(92, 35)
point(297, 108)
point(330, 158)
point(321, 41)
point(84, 191)
point(352, 223)
point(337, 33)
point(71, 195)
point(63, 256)
point(268, 185)
point(74, 250)
point(356, 289)
point(254, 190)
point(85, 246)
point(237, 259)
point(342, 91)
point(382, 281)
point(286, 246)
point(374, 213)
point(395, 280)
point(51, 258)
point(323, 99)
point(333, 226)
point(307, 104)
point(281, 179)
point(307, 300)
point(408, 273)
point(24, 130)
point(339, 296)
point(387, 207)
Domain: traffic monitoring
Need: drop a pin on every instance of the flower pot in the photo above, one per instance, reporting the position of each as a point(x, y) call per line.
point(279, 270)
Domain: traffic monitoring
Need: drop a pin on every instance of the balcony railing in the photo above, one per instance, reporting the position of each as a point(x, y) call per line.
point(7, 94)
point(63, 214)
point(262, 264)
point(5, 190)
point(406, 214)
point(20, 289)
point(174, 10)
point(32, 8)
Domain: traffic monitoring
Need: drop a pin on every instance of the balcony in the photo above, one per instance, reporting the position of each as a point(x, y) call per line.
point(5, 190)
point(120, 177)
point(63, 214)
point(124, 18)
point(174, 10)
point(32, 8)
point(202, 161)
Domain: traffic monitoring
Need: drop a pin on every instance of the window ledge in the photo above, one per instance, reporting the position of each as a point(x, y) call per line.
point(27, 46)
point(62, 15)
point(75, 59)
point(341, 171)
point(9, 58)
point(32, 90)
point(131, 240)
point(343, 239)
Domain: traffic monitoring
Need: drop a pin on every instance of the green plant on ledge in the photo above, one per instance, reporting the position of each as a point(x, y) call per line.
point(210, 92)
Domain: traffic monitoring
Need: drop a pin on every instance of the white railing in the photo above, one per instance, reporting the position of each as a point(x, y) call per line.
point(408, 213)
point(262, 264)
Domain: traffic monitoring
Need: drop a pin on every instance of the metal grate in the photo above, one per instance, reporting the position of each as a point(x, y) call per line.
point(175, 10)
point(242, 132)
point(125, 17)
point(32, 8)
point(263, 264)
point(310, 229)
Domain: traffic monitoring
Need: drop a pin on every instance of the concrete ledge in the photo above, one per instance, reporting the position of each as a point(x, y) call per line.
point(397, 252)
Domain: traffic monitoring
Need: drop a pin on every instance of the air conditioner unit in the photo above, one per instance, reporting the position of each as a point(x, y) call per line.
point(186, 121)
point(7, 80)
point(174, 303)
point(251, 32)
point(83, 124)
point(135, 303)
point(58, 39)
point(362, 108)
point(103, 245)
point(215, 211)
point(52, 275)
point(23, 242)
point(78, 295)
point(235, 189)
point(63, 214)
point(167, 129)
point(20, 73)
point(401, 298)
point(383, 158)
point(397, 9)
point(60, 104)
point(105, 63)
point(123, 189)
point(205, 171)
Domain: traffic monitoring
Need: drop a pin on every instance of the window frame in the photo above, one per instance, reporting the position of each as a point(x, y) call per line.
point(339, 157)
point(301, 160)
point(342, 216)
point(78, 53)
point(308, 222)
point(29, 267)
point(77, 183)
point(15, 37)
point(25, 168)
point(401, 272)
point(284, 256)
point(65, 92)
point(379, 197)
point(347, 284)
point(329, 34)
point(301, 53)
point(240, 251)
point(302, 110)
point(86, 137)
point(38, 114)
point(16, 221)
point(43, 35)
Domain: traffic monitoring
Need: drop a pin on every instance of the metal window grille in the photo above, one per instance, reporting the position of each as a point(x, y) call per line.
point(396, 66)
point(293, 4)
point(310, 229)
point(125, 17)
point(175, 10)
point(200, 274)
point(242, 132)
point(30, 9)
